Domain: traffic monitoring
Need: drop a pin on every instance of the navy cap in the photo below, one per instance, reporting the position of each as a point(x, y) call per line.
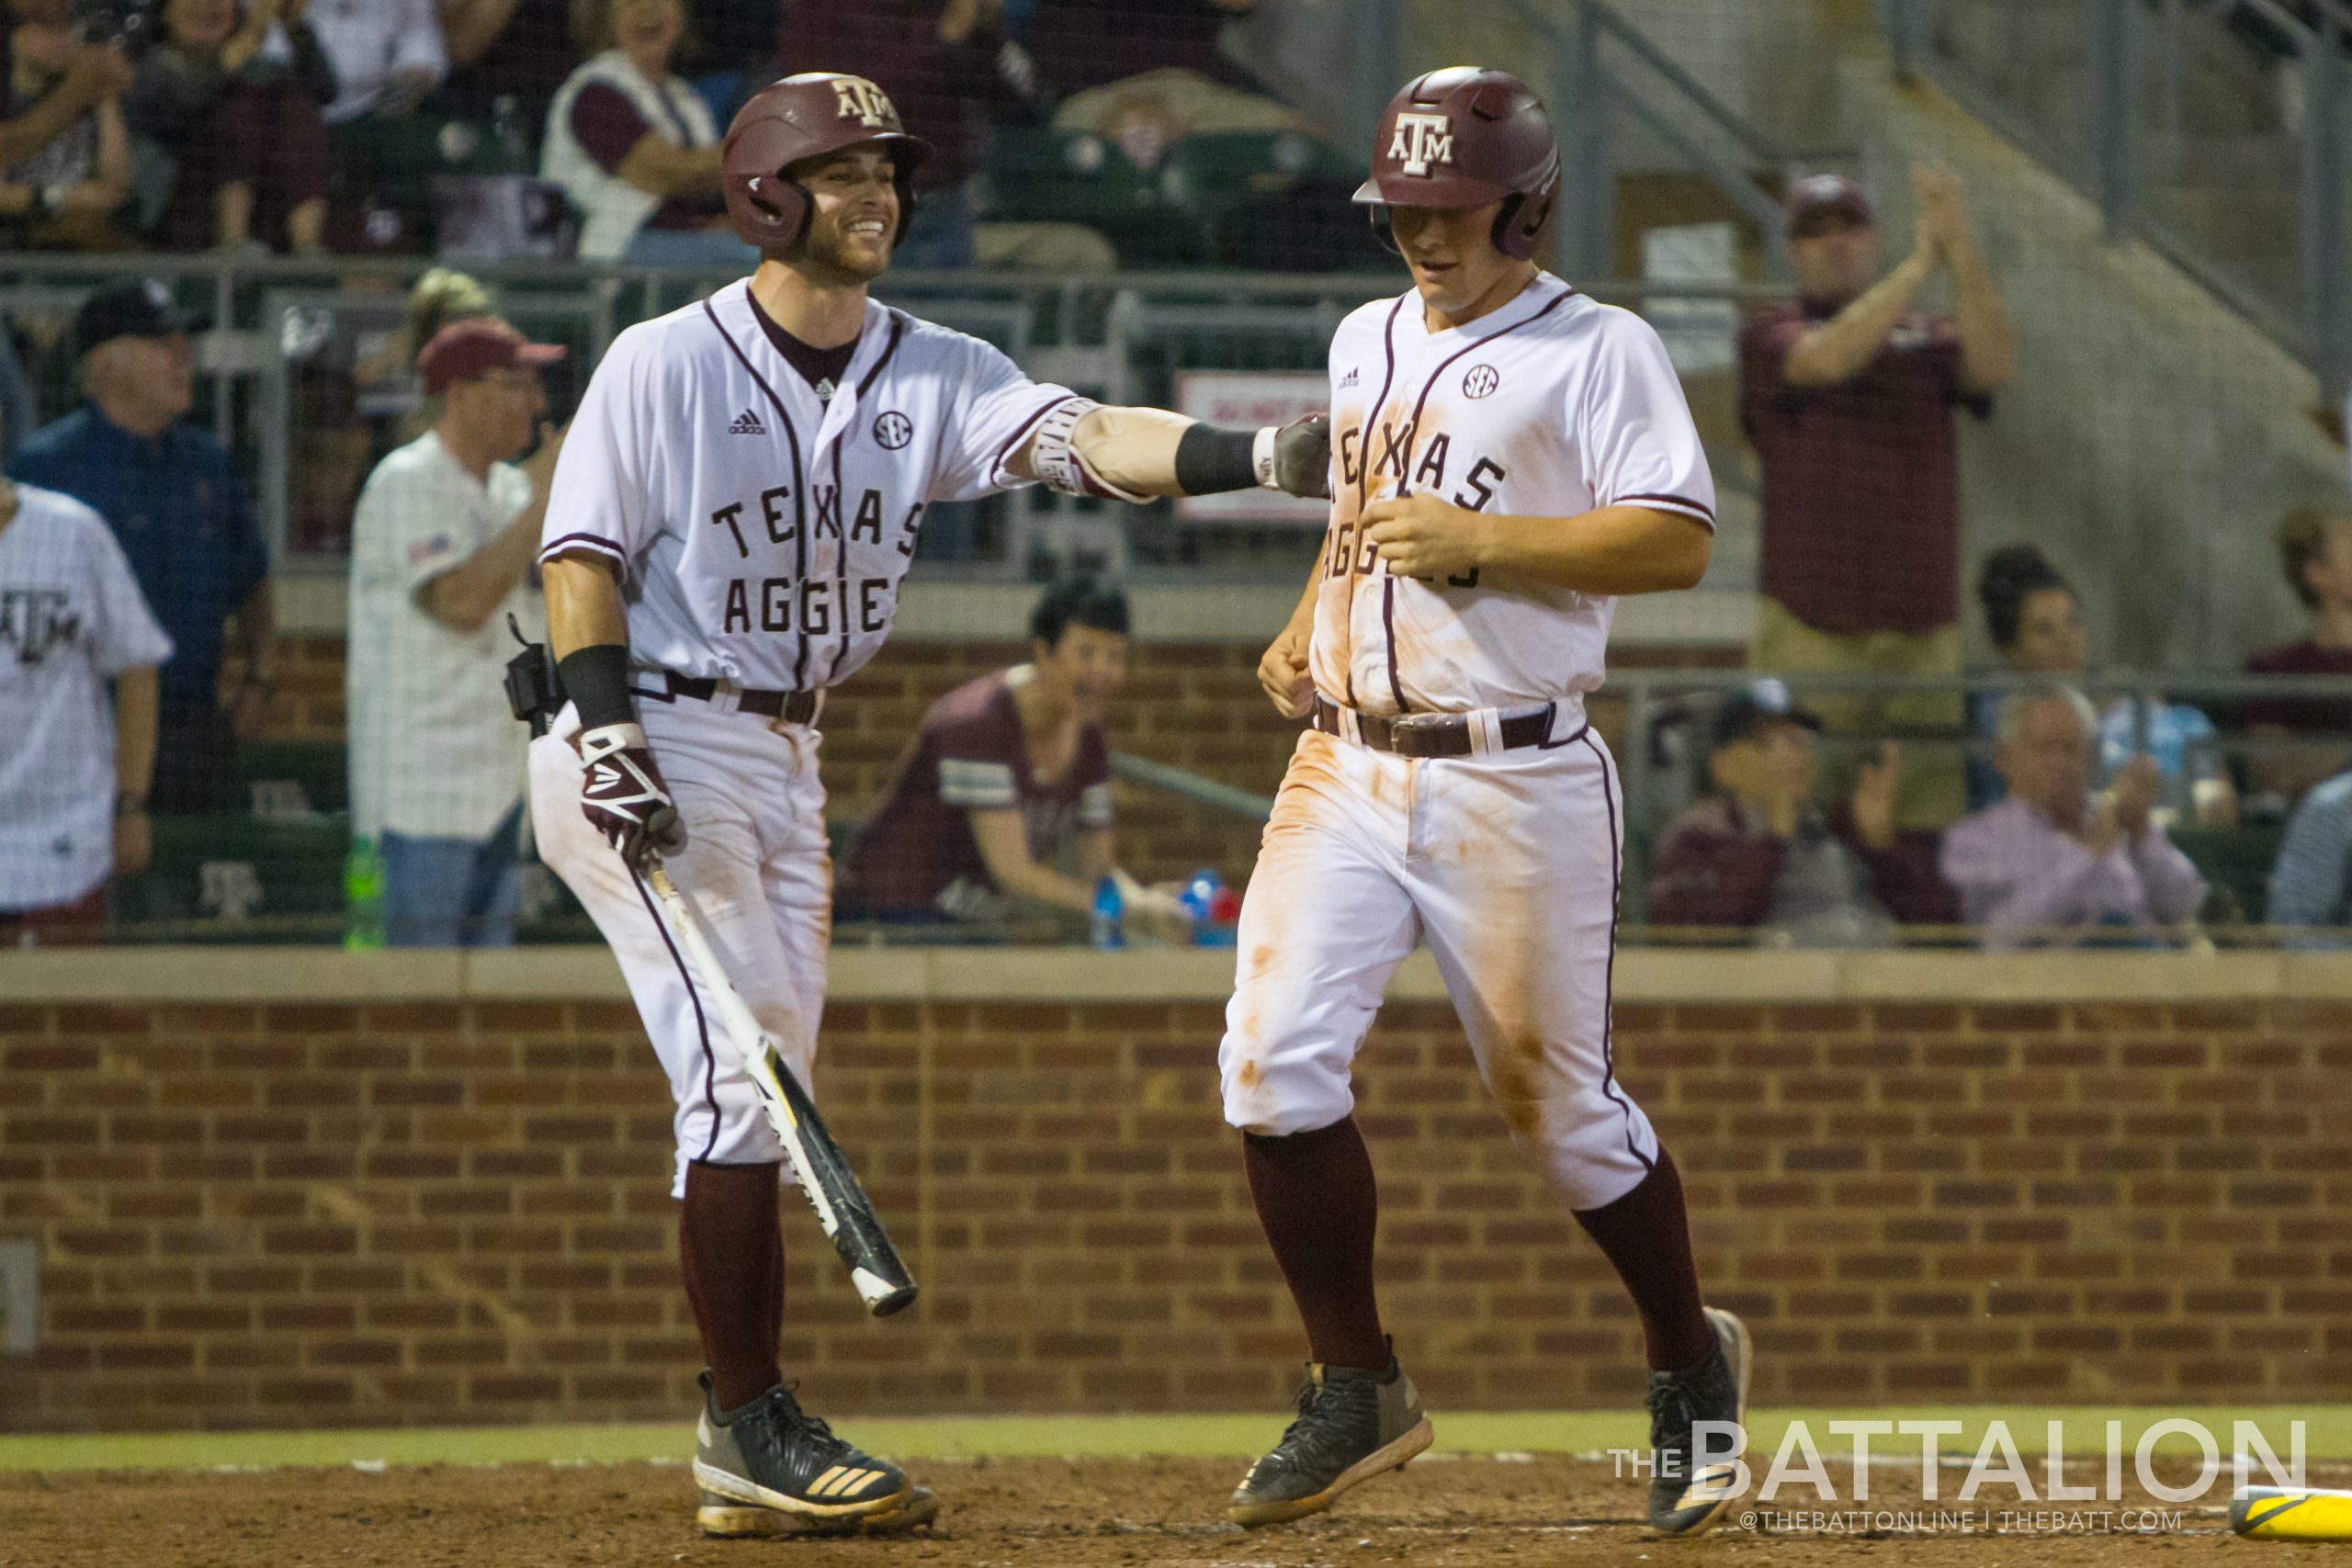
point(1758, 705)
point(130, 307)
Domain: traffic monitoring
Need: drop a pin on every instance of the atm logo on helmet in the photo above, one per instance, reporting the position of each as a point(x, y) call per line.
point(861, 100)
point(1419, 140)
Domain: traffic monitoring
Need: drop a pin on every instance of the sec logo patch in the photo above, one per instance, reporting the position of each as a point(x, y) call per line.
point(1480, 380)
point(894, 430)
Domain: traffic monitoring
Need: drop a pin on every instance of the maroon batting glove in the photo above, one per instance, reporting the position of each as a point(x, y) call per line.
point(623, 797)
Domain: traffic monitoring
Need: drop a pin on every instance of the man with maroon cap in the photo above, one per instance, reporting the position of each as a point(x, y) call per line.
point(1847, 394)
point(441, 548)
point(738, 503)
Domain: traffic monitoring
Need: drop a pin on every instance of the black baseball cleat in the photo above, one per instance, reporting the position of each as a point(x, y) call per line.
point(771, 1454)
point(1682, 1503)
point(1352, 1424)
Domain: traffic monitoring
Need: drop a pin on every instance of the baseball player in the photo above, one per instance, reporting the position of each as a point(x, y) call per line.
point(1511, 456)
point(737, 503)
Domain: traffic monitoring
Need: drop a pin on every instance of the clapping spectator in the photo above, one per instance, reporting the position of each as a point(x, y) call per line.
point(232, 96)
point(636, 149)
point(1761, 855)
point(179, 508)
point(1848, 396)
point(74, 776)
point(2054, 862)
point(2315, 552)
point(441, 555)
point(1102, 58)
point(2036, 623)
point(520, 50)
point(65, 186)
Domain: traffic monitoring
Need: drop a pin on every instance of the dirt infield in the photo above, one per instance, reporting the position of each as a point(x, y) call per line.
point(1464, 1513)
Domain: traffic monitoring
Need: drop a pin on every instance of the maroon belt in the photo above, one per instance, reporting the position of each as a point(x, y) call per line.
point(1433, 734)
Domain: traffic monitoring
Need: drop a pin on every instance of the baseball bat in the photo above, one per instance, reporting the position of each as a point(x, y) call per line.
point(842, 1205)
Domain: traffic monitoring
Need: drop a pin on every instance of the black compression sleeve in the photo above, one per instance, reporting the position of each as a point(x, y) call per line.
point(597, 680)
point(1210, 461)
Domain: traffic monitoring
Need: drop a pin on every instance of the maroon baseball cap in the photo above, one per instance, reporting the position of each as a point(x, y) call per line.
point(463, 350)
point(1827, 193)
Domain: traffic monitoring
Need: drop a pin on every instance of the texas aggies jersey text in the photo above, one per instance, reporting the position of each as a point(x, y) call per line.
point(1548, 407)
point(763, 532)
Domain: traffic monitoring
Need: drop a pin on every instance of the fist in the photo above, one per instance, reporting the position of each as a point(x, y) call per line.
point(623, 796)
point(1283, 673)
point(1303, 456)
point(1420, 536)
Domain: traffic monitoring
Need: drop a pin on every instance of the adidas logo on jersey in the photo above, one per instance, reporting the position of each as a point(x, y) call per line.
point(747, 424)
point(1349, 380)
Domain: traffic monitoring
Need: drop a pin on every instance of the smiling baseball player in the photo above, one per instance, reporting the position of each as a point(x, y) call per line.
point(1511, 456)
point(737, 503)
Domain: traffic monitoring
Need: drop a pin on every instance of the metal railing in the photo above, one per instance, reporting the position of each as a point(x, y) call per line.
point(2205, 130)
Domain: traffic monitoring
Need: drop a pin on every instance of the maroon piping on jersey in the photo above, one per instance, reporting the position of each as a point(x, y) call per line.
point(1404, 484)
point(800, 494)
point(897, 331)
point(841, 578)
point(702, 1028)
point(1608, 985)
point(1363, 492)
point(1707, 512)
point(596, 542)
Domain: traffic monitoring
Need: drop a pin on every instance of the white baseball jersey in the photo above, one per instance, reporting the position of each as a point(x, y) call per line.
point(435, 750)
point(71, 617)
point(762, 532)
point(1549, 407)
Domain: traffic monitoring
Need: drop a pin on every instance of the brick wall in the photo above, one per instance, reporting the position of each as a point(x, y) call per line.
point(456, 1212)
point(1190, 706)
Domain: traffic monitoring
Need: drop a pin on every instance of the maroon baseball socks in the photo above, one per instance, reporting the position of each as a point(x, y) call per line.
point(1316, 1199)
point(1646, 1235)
point(732, 1255)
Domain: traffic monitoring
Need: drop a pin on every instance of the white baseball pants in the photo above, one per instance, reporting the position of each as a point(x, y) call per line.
point(1508, 866)
point(755, 864)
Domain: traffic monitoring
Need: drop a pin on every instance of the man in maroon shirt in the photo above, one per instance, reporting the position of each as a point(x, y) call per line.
point(1847, 395)
point(2315, 551)
point(1008, 780)
point(1762, 856)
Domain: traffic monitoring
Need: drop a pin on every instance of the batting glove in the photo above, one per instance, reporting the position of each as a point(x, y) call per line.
point(623, 797)
point(1301, 457)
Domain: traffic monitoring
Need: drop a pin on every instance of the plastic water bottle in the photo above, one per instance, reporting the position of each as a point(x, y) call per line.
point(1107, 928)
point(363, 897)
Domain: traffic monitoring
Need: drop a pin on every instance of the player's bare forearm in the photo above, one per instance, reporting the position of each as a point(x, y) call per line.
point(468, 593)
point(1852, 338)
point(1143, 454)
point(1610, 550)
point(135, 706)
point(251, 632)
point(584, 608)
point(1004, 849)
point(1988, 340)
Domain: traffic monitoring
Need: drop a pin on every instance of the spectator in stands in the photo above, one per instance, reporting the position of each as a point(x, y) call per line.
point(2311, 884)
point(2316, 550)
point(2054, 863)
point(636, 149)
point(64, 189)
point(944, 67)
point(1004, 793)
point(387, 55)
point(1101, 58)
point(232, 103)
point(441, 555)
point(1847, 395)
point(74, 778)
point(507, 48)
point(1762, 855)
point(179, 508)
point(2036, 623)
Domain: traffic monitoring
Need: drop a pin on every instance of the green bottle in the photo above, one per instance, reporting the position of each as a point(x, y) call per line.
point(363, 897)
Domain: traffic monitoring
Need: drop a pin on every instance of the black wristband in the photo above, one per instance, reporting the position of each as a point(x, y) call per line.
point(1210, 461)
point(597, 680)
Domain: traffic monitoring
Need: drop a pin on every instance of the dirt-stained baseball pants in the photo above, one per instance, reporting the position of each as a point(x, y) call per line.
point(756, 866)
point(1508, 866)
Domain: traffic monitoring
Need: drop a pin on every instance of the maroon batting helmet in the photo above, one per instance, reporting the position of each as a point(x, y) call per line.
point(1464, 137)
point(803, 116)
